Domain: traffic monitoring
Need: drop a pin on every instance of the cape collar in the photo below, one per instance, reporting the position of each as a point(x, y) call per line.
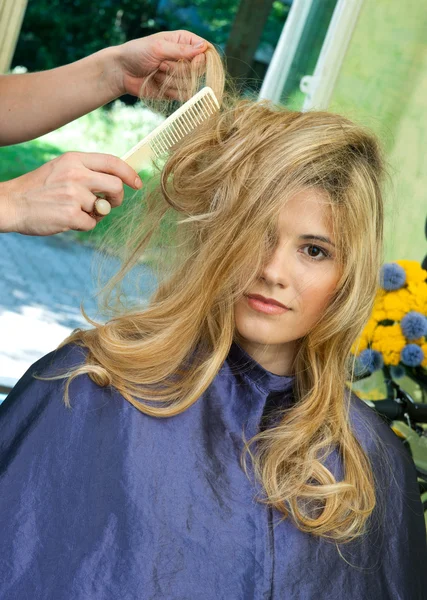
point(240, 361)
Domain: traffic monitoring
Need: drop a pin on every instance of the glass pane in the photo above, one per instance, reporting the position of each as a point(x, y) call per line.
point(383, 84)
point(308, 50)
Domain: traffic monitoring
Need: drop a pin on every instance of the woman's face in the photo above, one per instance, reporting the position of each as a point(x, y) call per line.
point(302, 275)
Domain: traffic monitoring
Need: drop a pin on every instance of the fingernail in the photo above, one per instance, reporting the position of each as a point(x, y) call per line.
point(199, 45)
point(138, 183)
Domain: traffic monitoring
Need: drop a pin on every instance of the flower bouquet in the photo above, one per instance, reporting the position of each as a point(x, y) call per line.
point(394, 339)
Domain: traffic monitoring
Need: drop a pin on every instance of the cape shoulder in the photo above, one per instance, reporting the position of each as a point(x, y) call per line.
point(398, 496)
point(36, 407)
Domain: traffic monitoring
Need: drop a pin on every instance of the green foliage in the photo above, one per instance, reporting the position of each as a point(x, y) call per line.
point(22, 158)
point(213, 19)
point(210, 19)
point(57, 32)
point(115, 130)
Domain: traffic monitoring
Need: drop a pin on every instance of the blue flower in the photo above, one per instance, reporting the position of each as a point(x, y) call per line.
point(393, 276)
point(414, 325)
point(412, 355)
point(371, 360)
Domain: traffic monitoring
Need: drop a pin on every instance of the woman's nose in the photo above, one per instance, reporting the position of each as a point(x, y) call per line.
point(276, 271)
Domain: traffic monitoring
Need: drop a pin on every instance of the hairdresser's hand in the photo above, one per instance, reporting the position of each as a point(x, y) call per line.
point(137, 59)
point(60, 195)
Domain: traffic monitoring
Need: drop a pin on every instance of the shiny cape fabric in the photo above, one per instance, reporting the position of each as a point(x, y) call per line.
point(102, 502)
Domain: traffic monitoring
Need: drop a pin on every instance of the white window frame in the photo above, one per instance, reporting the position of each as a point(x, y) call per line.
point(319, 86)
point(11, 17)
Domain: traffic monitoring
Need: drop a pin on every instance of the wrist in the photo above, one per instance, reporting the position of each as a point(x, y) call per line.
point(7, 215)
point(111, 71)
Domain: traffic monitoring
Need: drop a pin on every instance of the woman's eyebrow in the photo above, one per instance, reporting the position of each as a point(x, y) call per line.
point(318, 238)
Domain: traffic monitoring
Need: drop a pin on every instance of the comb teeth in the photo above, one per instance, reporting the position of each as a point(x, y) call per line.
point(194, 112)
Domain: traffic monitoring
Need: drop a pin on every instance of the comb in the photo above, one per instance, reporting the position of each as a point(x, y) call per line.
point(182, 122)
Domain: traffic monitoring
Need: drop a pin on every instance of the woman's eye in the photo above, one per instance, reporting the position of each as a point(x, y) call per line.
point(316, 252)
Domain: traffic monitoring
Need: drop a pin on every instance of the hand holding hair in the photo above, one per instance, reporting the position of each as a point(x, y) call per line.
point(32, 104)
point(162, 52)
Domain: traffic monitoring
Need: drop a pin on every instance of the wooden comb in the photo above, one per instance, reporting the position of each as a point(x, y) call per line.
point(182, 122)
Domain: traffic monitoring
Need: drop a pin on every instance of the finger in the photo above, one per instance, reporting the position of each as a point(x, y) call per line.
point(173, 82)
point(184, 69)
point(90, 206)
point(84, 222)
point(175, 95)
point(182, 36)
point(175, 51)
point(87, 200)
point(198, 64)
point(180, 94)
point(107, 163)
point(180, 68)
point(109, 186)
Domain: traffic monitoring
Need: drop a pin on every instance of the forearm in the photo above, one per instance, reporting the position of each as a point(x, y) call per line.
point(35, 103)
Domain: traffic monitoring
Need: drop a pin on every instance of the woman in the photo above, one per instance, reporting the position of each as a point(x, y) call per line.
point(211, 449)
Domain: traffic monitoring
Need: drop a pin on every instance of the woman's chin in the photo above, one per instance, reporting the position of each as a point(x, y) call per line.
point(258, 333)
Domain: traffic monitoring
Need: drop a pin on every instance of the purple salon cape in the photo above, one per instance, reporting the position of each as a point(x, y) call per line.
point(102, 502)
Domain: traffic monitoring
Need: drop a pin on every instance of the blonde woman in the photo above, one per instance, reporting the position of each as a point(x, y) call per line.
point(206, 446)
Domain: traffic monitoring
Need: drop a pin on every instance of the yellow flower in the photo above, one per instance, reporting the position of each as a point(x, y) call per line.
point(424, 349)
point(393, 306)
point(390, 342)
point(359, 345)
point(419, 297)
point(414, 272)
point(379, 315)
point(379, 299)
point(365, 338)
point(397, 303)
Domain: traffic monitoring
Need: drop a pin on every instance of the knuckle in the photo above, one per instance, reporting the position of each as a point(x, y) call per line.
point(73, 173)
point(71, 169)
point(73, 212)
point(69, 189)
point(158, 46)
point(117, 186)
point(68, 158)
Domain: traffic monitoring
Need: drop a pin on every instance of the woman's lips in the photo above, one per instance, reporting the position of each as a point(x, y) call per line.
point(265, 307)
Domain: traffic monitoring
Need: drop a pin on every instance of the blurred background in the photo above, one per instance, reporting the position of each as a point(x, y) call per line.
point(366, 59)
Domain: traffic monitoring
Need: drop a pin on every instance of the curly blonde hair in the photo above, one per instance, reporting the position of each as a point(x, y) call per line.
point(221, 191)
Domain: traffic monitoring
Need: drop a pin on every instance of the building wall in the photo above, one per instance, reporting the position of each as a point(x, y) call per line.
point(383, 84)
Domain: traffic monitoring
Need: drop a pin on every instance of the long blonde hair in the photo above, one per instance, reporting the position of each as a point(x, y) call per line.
point(221, 191)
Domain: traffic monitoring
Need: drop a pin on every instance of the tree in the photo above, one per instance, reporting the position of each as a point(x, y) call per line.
point(239, 26)
point(57, 32)
point(245, 36)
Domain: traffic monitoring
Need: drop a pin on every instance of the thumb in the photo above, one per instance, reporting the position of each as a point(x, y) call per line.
point(173, 51)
